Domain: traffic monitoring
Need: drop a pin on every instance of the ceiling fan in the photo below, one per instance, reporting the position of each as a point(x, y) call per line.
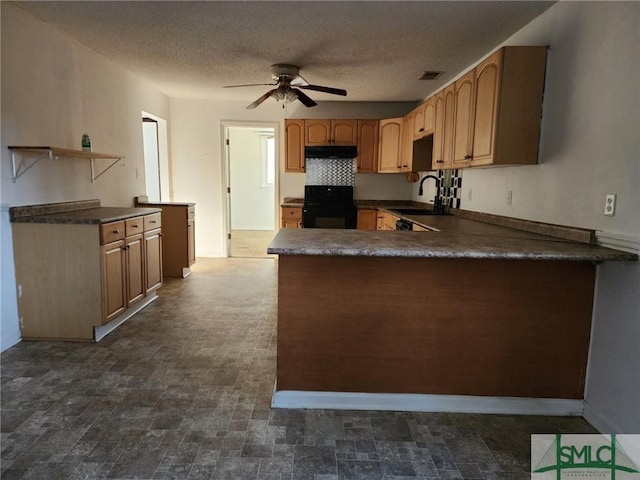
point(289, 85)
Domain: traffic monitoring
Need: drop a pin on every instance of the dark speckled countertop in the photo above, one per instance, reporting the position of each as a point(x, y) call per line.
point(82, 212)
point(455, 238)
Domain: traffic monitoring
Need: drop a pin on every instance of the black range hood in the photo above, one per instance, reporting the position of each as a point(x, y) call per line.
point(331, 151)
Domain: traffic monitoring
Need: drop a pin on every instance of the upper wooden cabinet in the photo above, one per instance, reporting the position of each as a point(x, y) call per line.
point(406, 158)
point(294, 145)
point(423, 119)
point(367, 160)
point(443, 129)
point(418, 121)
point(429, 117)
point(509, 86)
point(390, 145)
point(463, 116)
point(330, 132)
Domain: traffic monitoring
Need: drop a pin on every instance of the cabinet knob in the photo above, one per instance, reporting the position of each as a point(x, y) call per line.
point(468, 157)
point(439, 161)
point(421, 130)
point(116, 231)
point(135, 225)
point(152, 221)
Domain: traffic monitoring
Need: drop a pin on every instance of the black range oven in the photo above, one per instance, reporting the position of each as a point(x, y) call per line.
point(328, 206)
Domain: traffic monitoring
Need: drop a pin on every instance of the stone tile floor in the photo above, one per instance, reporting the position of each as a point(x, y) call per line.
point(182, 391)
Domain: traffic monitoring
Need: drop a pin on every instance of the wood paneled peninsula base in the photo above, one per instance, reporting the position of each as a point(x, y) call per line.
point(506, 315)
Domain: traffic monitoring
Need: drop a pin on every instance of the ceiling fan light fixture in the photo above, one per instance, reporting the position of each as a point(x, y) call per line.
point(430, 75)
point(288, 83)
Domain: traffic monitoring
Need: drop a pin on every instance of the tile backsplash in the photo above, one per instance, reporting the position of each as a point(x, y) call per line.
point(330, 171)
point(450, 187)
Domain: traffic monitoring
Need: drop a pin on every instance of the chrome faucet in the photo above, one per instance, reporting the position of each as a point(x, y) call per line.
point(437, 204)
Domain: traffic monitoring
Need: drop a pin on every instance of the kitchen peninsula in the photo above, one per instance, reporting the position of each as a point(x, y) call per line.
point(427, 320)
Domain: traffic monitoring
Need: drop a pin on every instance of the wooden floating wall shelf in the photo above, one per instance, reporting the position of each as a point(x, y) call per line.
point(20, 167)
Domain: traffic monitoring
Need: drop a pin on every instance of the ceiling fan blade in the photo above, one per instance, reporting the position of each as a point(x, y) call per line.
point(262, 98)
point(249, 85)
point(333, 91)
point(308, 102)
point(298, 81)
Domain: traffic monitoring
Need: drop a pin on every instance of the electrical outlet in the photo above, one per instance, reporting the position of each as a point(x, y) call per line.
point(509, 197)
point(19, 291)
point(610, 205)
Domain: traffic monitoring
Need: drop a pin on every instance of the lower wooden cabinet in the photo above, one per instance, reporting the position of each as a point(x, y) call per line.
point(367, 219)
point(179, 246)
point(153, 260)
point(74, 278)
point(291, 217)
point(114, 284)
point(386, 221)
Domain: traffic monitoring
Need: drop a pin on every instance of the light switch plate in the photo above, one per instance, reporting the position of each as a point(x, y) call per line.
point(610, 205)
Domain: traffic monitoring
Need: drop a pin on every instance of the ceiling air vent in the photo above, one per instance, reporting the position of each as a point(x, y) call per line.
point(430, 75)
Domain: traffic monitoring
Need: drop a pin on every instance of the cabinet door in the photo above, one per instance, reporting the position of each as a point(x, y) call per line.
point(344, 132)
point(294, 146)
point(449, 105)
point(291, 223)
point(390, 145)
point(438, 131)
point(487, 82)
point(418, 122)
point(191, 241)
point(429, 116)
point(463, 120)
point(291, 217)
point(113, 280)
point(367, 219)
point(134, 262)
point(317, 132)
point(153, 260)
point(367, 159)
point(406, 161)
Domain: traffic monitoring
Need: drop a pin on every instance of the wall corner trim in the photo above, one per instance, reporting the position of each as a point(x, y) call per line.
point(619, 241)
point(599, 421)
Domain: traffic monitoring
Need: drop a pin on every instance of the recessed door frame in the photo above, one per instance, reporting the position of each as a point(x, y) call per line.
point(226, 175)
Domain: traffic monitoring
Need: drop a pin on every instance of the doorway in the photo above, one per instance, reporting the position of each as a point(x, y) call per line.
point(156, 158)
point(251, 167)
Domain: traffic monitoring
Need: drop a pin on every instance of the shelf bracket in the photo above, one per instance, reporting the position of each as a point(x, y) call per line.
point(94, 177)
point(16, 164)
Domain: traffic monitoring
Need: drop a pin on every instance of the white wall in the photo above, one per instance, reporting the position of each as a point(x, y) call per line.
point(252, 202)
point(613, 381)
point(589, 147)
point(54, 90)
point(196, 135)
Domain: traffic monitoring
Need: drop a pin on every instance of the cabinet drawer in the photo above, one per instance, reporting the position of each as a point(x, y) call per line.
point(111, 232)
point(152, 221)
point(133, 226)
point(291, 212)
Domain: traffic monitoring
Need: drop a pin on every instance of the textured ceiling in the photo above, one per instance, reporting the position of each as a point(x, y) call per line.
point(376, 50)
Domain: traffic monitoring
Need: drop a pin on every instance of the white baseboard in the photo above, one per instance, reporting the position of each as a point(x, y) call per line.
point(409, 402)
point(100, 332)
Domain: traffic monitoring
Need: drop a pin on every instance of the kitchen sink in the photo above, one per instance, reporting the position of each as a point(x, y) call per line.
point(417, 211)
